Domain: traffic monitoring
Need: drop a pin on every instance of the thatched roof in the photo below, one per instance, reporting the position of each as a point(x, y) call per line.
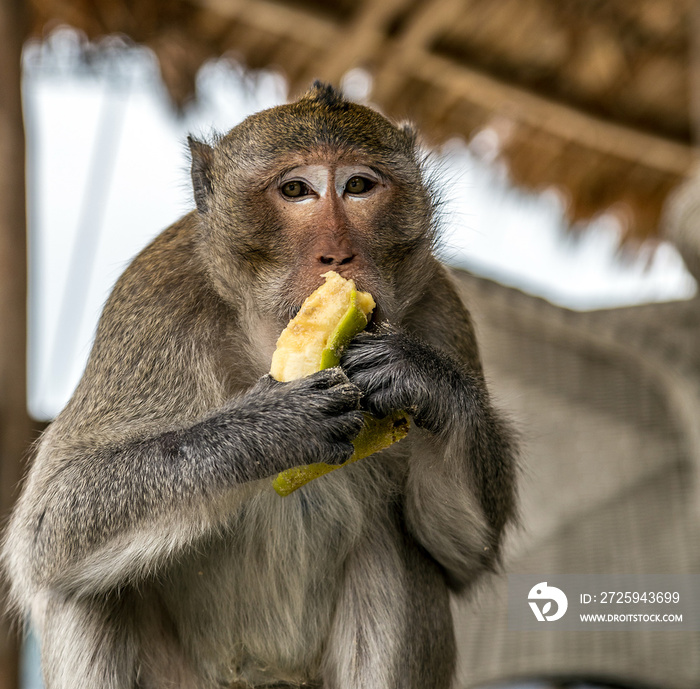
point(592, 96)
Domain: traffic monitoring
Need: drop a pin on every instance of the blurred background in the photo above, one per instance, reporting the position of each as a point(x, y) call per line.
point(562, 137)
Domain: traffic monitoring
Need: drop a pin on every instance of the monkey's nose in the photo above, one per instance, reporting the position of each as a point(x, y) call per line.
point(336, 258)
point(335, 251)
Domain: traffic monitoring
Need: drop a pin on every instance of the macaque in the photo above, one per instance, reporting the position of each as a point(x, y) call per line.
point(148, 547)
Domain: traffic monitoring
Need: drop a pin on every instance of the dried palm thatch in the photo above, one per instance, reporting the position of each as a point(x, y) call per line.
point(594, 95)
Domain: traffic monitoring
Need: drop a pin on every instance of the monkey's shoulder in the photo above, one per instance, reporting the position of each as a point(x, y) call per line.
point(167, 268)
point(158, 341)
point(164, 291)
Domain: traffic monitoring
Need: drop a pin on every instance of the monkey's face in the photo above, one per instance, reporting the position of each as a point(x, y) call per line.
point(320, 184)
point(329, 213)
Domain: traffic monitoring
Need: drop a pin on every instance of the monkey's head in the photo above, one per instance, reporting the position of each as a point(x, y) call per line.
point(315, 185)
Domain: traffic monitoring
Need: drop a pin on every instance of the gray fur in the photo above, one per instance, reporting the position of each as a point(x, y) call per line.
point(148, 546)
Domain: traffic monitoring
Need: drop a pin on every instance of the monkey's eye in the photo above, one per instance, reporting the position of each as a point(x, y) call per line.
point(359, 185)
point(295, 189)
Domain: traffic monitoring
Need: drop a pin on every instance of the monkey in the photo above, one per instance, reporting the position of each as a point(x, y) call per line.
point(148, 547)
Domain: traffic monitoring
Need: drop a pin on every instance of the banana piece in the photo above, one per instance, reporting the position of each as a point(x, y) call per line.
point(314, 339)
point(316, 336)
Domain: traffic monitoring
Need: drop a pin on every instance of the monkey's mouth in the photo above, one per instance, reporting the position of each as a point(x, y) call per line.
point(376, 318)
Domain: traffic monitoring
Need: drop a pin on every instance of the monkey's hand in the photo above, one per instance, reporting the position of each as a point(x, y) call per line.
point(397, 371)
point(313, 419)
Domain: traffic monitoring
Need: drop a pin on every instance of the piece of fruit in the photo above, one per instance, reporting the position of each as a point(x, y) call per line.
point(314, 339)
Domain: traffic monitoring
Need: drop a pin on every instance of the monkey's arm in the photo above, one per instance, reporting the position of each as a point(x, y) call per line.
point(461, 476)
point(149, 456)
point(98, 515)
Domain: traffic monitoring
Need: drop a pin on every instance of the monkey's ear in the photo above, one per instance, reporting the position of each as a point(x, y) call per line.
point(409, 130)
point(202, 158)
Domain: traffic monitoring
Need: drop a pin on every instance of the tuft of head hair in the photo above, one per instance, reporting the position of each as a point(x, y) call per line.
point(324, 94)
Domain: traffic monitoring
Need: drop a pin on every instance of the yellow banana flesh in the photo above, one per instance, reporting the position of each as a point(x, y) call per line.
point(314, 339)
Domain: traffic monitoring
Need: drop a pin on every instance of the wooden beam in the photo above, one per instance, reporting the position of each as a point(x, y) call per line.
point(560, 120)
point(694, 70)
point(15, 427)
point(428, 21)
point(359, 43)
point(282, 20)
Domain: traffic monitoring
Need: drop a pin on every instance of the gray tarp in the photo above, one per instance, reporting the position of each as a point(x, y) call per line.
point(608, 403)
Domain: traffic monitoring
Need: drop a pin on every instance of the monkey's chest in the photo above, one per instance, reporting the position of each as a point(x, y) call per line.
point(263, 596)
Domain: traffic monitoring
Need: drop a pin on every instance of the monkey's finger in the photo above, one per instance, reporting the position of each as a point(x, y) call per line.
point(357, 361)
point(339, 452)
point(353, 422)
point(326, 378)
point(372, 379)
point(386, 400)
point(368, 354)
point(379, 404)
point(343, 428)
point(265, 383)
point(342, 398)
